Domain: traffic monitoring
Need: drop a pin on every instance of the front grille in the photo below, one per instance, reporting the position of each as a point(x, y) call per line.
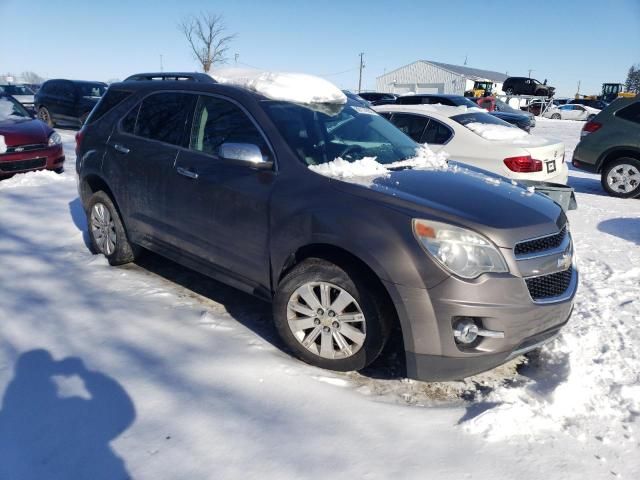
point(25, 148)
point(549, 286)
point(541, 244)
point(17, 166)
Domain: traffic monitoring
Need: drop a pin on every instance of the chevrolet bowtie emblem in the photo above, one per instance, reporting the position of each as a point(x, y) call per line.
point(564, 261)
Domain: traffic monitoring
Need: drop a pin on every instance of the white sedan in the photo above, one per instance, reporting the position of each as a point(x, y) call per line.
point(472, 136)
point(571, 112)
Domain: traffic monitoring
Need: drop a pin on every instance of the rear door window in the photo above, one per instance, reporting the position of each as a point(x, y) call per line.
point(411, 125)
point(436, 133)
point(218, 121)
point(631, 112)
point(109, 100)
point(161, 116)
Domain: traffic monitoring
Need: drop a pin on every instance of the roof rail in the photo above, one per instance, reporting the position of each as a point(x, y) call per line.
point(171, 76)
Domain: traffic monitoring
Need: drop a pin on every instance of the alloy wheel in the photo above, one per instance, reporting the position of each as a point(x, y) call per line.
point(103, 228)
point(623, 178)
point(326, 320)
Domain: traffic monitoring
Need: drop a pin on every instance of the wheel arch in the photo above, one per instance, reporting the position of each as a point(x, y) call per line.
point(344, 258)
point(615, 153)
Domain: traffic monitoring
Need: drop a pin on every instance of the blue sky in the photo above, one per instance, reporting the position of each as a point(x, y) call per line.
point(593, 41)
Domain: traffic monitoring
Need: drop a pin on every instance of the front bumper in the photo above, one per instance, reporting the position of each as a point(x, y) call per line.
point(49, 158)
point(498, 302)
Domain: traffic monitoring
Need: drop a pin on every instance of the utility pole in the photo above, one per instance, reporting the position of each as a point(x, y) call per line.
point(161, 66)
point(465, 59)
point(530, 70)
point(236, 56)
point(361, 67)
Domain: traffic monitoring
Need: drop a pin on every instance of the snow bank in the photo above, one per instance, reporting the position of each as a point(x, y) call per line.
point(490, 131)
point(3, 145)
point(289, 87)
point(340, 168)
point(32, 179)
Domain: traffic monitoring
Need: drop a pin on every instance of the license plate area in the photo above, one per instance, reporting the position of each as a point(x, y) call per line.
point(551, 166)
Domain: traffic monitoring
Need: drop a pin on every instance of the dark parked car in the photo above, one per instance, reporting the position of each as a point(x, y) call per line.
point(379, 98)
point(589, 102)
point(610, 146)
point(503, 111)
point(519, 120)
point(67, 102)
point(228, 182)
point(527, 86)
point(26, 144)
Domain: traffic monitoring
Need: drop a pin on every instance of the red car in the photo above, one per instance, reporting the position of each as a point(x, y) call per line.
point(26, 144)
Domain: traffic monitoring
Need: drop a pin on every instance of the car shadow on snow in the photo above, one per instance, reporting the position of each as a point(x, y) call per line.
point(79, 218)
point(588, 185)
point(625, 228)
point(256, 314)
point(58, 418)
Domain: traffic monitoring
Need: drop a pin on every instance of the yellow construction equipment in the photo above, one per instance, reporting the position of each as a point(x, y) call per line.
point(481, 88)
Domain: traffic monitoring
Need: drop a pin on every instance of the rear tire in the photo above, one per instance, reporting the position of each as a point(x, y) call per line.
point(45, 116)
point(324, 328)
point(106, 231)
point(509, 91)
point(621, 177)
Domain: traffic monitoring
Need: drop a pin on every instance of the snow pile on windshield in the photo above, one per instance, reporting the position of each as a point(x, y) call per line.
point(288, 87)
point(425, 159)
point(496, 132)
point(6, 110)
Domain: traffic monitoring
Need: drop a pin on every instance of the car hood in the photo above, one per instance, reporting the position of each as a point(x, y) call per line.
point(24, 132)
point(505, 212)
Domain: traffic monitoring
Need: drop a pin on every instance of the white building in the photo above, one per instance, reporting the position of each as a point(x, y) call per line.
point(425, 76)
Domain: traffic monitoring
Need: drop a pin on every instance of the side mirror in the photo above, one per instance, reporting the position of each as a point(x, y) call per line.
point(244, 152)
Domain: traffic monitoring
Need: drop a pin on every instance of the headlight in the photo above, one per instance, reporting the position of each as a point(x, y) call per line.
point(461, 251)
point(55, 139)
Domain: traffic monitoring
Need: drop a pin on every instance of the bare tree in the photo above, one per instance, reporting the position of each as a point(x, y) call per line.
point(32, 77)
point(207, 36)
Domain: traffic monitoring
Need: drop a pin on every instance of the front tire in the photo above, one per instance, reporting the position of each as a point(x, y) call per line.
point(106, 231)
point(621, 177)
point(331, 317)
point(45, 116)
point(509, 91)
point(556, 116)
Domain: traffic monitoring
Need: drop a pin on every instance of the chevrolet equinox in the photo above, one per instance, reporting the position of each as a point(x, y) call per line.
point(472, 270)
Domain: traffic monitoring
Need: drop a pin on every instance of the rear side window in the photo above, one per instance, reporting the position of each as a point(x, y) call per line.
point(162, 116)
point(219, 121)
point(436, 133)
point(411, 125)
point(109, 100)
point(631, 113)
point(409, 100)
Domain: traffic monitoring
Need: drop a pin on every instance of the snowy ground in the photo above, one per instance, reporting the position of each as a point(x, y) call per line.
point(153, 371)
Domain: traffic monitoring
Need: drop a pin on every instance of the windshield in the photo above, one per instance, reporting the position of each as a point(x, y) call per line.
point(92, 89)
point(479, 117)
point(352, 134)
point(11, 109)
point(461, 101)
point(16, 90)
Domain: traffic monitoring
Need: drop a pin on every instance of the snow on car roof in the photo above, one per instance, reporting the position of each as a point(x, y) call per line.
point(285, 86)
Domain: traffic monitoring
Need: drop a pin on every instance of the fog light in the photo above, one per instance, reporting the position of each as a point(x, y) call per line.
point(466, 331)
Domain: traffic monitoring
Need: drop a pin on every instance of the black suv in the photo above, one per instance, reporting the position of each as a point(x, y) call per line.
point(266, 196)
point(527, 86)
point(67, 102)
point(379, 98)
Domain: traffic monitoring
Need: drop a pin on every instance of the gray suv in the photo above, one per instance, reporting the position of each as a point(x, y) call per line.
point(610, 146)
point(470, 269)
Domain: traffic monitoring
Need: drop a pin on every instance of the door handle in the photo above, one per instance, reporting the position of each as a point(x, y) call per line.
point(120, 148)
point(187, 173)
